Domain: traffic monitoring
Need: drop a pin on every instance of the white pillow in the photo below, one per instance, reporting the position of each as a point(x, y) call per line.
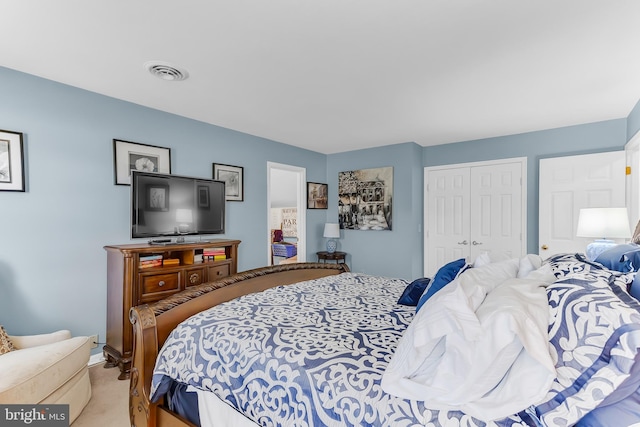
point(543, 274)
point(482, 259)
point(488, 257)
point(529, 263)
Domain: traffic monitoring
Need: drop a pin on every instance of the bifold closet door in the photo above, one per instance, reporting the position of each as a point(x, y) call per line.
point(496, 209)
point(448, 210)
point(474, 209)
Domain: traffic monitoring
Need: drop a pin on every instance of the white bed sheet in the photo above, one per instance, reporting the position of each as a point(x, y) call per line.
point(494, 339)
point(214, 412)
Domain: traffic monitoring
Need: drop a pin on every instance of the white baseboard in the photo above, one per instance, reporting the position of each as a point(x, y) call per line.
point(94, 359)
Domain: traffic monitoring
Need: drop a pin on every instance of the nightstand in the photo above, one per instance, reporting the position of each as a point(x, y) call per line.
point(338, 257)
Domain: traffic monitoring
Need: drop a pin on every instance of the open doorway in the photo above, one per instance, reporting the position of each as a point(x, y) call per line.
point(286, 212)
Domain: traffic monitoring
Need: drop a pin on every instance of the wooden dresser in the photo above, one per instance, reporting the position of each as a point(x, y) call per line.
point(134, 277)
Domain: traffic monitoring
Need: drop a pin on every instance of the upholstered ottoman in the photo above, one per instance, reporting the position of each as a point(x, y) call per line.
point(47, 369)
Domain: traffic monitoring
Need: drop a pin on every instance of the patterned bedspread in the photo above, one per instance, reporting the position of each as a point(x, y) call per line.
point(313, 353)
point(594, 330)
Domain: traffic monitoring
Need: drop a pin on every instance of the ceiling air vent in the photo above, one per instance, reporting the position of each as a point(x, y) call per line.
point(166, 71)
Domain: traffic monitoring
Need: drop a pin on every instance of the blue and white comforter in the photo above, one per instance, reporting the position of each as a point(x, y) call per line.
point(314, 353)
point(594, 330)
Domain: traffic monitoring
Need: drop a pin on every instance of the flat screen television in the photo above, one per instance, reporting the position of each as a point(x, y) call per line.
point(171, 205)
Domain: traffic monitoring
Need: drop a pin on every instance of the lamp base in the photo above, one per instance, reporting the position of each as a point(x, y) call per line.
point(598, 246)
point(331, 246)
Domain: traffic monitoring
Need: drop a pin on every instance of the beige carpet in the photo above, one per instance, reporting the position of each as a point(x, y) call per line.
point(109, 404)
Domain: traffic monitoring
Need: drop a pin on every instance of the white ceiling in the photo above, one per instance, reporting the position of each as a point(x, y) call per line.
point(339, 75)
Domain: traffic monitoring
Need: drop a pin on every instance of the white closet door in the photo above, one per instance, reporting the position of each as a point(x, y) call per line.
point(447, 224)
point(481, 202)
point(570, 183)
point(496, 206)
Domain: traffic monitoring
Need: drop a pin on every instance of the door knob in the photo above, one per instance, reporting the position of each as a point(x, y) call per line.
point(464, 242)
point(544, 247)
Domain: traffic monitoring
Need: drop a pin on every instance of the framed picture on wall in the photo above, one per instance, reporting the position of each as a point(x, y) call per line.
point(365, 199)
point(128, 156)
point(11, 161)
point(289, 222)
point(317, 195)
point(233, 177)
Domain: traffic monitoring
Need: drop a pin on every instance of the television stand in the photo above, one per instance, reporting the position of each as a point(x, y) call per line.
point(131, 281)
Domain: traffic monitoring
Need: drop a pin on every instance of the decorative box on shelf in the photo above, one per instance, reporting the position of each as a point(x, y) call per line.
point(284, 249)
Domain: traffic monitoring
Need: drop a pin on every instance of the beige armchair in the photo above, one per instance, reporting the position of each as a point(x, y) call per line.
point(47, 369)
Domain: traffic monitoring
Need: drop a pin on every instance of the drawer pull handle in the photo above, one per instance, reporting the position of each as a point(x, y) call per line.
point(161, 283)
point(464, 242)
point(194, 278)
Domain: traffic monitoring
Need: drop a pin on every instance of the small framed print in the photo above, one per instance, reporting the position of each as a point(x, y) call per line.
point(317, 195)
point(130, 156)
point(233, 177)
point(158, 198)
point(11, 161)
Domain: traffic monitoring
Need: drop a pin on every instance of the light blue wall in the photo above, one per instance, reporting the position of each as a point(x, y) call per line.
point(52, 262)
point(589, 138)
point(53, 267)
point(396, 252)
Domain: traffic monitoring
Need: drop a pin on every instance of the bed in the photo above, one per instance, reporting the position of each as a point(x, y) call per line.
point(320, 345)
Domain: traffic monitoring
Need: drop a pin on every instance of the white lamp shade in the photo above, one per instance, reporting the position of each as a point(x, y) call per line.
point(604, 223)
point(331, 230)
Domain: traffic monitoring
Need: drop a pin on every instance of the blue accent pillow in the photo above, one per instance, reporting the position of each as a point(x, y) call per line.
point(634, 289)
point(413, 292)
point(620, 258)
point(443, 277)
point(633, 259)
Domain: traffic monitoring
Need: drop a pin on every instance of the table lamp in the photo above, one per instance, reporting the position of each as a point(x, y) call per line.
point(331, 231)
point(604, 224)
